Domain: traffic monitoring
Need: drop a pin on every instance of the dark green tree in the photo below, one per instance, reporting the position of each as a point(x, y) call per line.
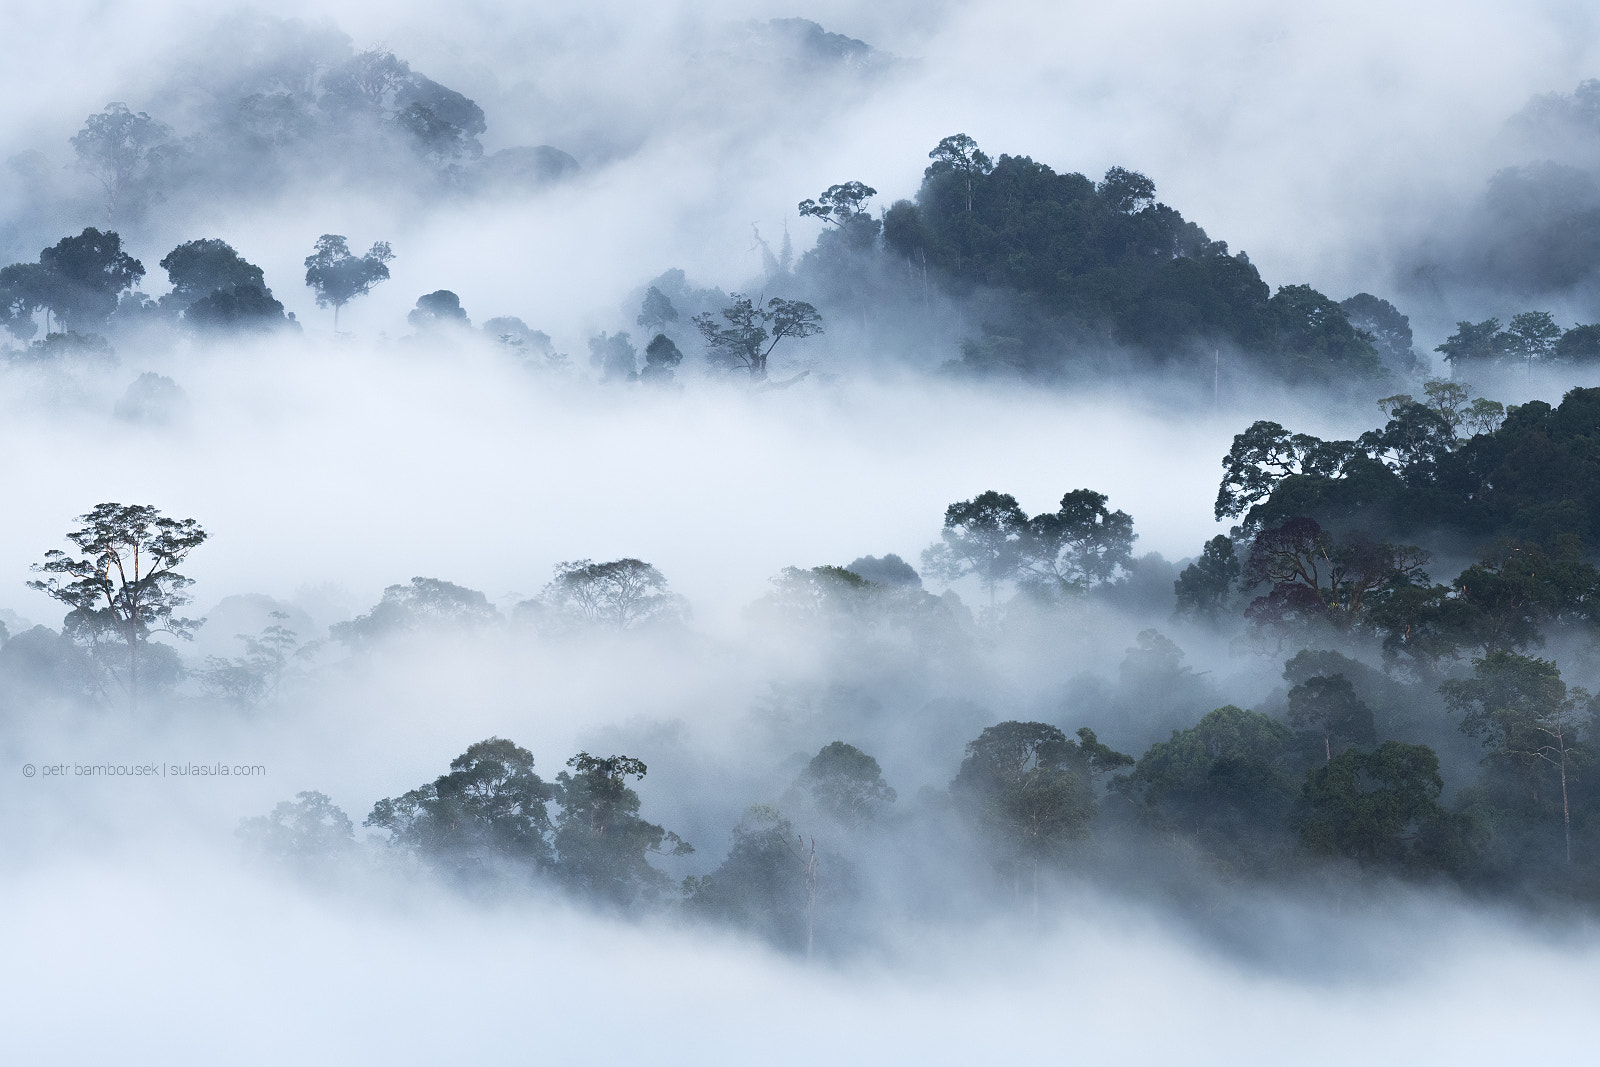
point(124, 586)
point(83, 277)
point(1473, 342)
point(1329, 708)
point(602, 845)
point(1082, 544)
point(338, 276)
point(1382, 808)
point(960, 155)
point(661, 356)
point(748, 334)
point(1523, 712)
point(846, 784)
point(982, 536)
point(199, 268)
point(1202, 589)
point(1226, 781)
point(840, 204)
point(1031, 790)
point(438, 308)
point(487, 815)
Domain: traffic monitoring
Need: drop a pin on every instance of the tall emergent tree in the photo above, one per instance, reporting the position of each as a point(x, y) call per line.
point(338, 276)
point(1532, 724)
point(119, 147)
point(125, 585)
point(752, 331)
point(981, 536)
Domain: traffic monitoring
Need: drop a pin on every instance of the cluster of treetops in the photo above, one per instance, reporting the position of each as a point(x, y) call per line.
point(1531, 338)
point(1343, 772)
point(1062, 275)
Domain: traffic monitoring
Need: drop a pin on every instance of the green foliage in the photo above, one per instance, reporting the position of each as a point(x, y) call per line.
point(308, 832)
point(1031, 790)
point(338, 276)
point(622, 594)
point(846, 784)
point(748, 333)
point(661, 355)
point(125, 584)
point(427, 603)
point(1328, 708)
point(761, 886)
point(1382, 808)
point(487, 815)
point(982, 536)
point(1225, 781)
point(1203, 589)
point(202, 267)
point(1081, 545)
point(601, 843)
point(438, 308)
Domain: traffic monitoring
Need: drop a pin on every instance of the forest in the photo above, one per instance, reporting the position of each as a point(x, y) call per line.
point(655, 498)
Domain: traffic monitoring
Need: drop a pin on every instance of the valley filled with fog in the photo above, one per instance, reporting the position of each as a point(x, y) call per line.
point(726, 534)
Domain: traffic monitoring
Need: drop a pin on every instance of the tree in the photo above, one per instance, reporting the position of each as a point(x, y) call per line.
point(308, 832)
point(1581, 344)
point(1382, 808)
point(960, 154)
point(489, 812)
point(1310, 572)
point(660, 357)
point(1224, 780)
point(657, 312)
point(1386, 328)
point(601, 843)
point(840, 204)
point(769, 883)
point(1329, 708)
point(25, 288)
point(614, 356)
point(199, 268)
point(118, 147)
point(1029, 786)
point(424, 603)
point(1473, 342)
point(752, 332)
point(1523, 712)
point(890, 570)
point(337, 276)
point(1265, 455)
point(1201, 590)
point(622, 594)
point(1126, 191)
point(125, 586)
point(244, 307)
point(438, 308)
point(84, 275)
point(1081, 545)
point(846, 784)
point(254, 677)
point(981, 536)
point(1532, 337)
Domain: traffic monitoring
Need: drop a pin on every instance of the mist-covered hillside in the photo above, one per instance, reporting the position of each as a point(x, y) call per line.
point(735, 533)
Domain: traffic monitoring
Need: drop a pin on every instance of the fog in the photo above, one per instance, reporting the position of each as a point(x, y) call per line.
point(1339, 145)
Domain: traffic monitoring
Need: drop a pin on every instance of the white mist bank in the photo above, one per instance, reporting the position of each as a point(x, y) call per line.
point(181, 959)
point(358, 466)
